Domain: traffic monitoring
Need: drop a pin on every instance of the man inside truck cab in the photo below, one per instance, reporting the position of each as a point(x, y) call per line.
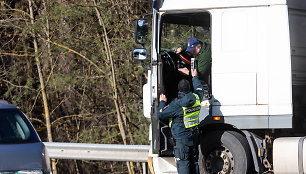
point(183, 116)
point(202, 52)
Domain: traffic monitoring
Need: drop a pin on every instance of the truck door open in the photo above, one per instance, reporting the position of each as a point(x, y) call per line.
point(176, 29)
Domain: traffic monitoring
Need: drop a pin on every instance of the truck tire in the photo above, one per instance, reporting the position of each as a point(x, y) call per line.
point(224, 152)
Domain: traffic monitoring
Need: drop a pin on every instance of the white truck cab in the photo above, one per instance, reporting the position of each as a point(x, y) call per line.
point(256, 84)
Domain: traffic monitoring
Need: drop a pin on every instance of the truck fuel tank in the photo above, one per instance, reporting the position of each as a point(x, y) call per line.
point(289, 155)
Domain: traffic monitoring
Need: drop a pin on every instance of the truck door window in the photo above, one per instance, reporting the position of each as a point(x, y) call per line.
point(176, 29)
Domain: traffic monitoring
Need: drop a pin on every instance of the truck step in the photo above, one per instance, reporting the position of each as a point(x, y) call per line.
point(166, 165)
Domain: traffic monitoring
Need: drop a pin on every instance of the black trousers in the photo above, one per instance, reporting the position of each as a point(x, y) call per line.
point(186, 154)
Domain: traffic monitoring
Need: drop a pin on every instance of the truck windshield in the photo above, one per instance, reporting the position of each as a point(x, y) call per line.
point(15, 128)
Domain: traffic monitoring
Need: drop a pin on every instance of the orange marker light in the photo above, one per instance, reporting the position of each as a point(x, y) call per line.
point(217, 118)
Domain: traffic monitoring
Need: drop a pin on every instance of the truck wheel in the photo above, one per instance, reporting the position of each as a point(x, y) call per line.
point(224, 152)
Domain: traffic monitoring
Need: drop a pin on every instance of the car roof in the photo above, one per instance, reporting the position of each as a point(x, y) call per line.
point(6, 105)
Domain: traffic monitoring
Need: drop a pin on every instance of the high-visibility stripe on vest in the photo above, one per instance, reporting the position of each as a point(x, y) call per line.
point(191, 114)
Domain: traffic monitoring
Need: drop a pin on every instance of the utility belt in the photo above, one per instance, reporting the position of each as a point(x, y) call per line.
point(194, 130)
point(193, 140)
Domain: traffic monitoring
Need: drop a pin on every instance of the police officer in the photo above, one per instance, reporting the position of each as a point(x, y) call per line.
point(183, 116)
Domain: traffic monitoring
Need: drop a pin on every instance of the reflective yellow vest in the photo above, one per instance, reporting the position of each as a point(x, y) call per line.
point(191, 114)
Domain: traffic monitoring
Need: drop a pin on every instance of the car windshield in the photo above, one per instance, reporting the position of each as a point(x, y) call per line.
point(15, 128)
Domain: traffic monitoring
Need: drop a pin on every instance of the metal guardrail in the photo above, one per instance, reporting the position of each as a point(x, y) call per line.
point(107, 152)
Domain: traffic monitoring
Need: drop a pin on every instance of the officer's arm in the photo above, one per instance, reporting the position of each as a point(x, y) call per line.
point(166, 111)
point(198, 88)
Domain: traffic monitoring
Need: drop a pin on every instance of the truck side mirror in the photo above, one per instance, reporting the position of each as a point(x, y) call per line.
point(141, 31)
point(139, 54)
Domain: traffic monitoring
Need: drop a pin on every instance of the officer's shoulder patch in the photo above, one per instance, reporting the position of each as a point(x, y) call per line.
point(165, 107)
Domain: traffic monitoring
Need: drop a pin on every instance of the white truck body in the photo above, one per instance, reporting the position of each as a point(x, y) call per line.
point(258, 70)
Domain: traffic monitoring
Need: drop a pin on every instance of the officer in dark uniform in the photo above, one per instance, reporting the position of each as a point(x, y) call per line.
point(183, 116)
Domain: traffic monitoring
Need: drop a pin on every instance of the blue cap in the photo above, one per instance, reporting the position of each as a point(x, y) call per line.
point(192, 43)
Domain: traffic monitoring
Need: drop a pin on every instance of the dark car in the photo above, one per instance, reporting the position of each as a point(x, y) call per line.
point(21, 150)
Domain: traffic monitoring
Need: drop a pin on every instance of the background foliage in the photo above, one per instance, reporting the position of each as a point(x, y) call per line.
point(76, 71)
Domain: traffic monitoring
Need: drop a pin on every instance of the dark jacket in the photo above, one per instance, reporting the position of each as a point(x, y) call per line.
point(175, 111)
